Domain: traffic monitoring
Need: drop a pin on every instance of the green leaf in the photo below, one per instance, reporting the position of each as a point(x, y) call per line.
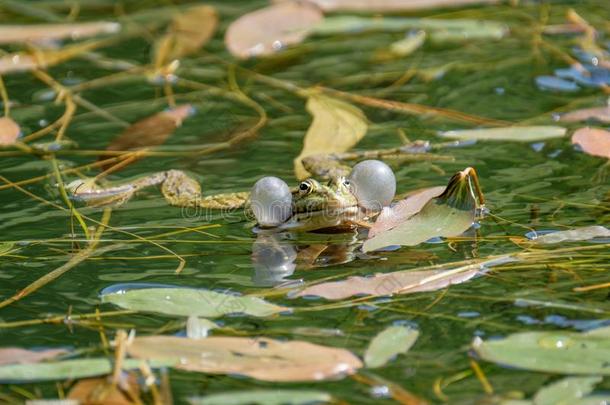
point(553, 352)
point(516, 134)
point(263, 397)
point(388, 343)
point(567, 391)
point(66, 369)
point(448, 215)
point(190, 301)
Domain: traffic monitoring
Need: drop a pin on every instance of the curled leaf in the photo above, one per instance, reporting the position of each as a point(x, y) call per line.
point(593, 141)
point(11, 34)
point(260, 358)
point(9, 131)
point(270, 29)
point(336, 127)
point(516, 134)
point(389, 343)
point(189, 301)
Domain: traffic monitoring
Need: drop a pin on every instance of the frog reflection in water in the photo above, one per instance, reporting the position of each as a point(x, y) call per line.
point(312, 205)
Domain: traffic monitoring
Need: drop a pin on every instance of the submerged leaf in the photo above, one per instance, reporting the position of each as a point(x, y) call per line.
point(264, 397)
point(260, 358)
point(66, 369)
point(574, 235)
point(9, 131)
point(593, 141)
point(447, 215)
point(190, 301)
point(516, 134)
point(11, 355)
point(10, 34)
point(389, 343)
point(552, 352)
point(601, 114)
point(393, 5)
point(399, 282)
point(336, 127)
point(187, 33)
point(569, 391)
point(270, 29)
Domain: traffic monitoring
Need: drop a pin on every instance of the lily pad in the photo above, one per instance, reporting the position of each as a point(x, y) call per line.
point(554, 352)
point(515, 134)
point(389, 343)
point(260, 358)
point(264, 397)
point(190, 301)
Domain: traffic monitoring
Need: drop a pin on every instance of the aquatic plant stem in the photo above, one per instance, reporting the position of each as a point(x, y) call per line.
point(64, 195)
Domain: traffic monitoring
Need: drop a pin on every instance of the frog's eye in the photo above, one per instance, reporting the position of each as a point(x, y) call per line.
point(305, 187)
point(347, 183)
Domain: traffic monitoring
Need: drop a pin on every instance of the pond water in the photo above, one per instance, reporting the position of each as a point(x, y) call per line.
point(538, 185)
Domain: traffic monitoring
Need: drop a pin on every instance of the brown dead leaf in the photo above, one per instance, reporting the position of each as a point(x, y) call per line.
point(270, 29)
point(399, 282)
point(601, 114)
point(260, 358)
point(10, 34)
point(336, 127)
point(13, 355)
point(392, 5)
point(9, 131)
point(101, 391)
point(188, 32)
point(593, 141)
point(402, 210)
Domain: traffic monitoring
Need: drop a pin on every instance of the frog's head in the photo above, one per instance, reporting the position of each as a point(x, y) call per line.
point(316, 205)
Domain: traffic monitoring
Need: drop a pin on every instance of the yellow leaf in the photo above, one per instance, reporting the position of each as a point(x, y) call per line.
point(337, 126)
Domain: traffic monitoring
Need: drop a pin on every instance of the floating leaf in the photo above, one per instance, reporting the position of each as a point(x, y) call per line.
point(574, 235)
point(64, 370)
point(11, 355)
point(190, 301)
point(399, 282)
point(270, 29)
point(447, 215)
point(553, 352)
point(516, 134)
point(10, 34)
point(437, 29)
point(399, 212)
point(337, 126)
point(593, 141)
point(393, 5)
point(570, 391)
point(389, 343)
point(601, 114)
point(188, 32)
point(9, 131)
point(264, 397)
point(260, 358)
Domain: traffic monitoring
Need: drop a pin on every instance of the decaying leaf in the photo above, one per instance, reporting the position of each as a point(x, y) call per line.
point(574, 235)
point(190, 301)
point(99, 391)
point(399, 212)
point(12, 355)
point(515, 134)
point(447, 215)
point(150, 131)
point(188, 32)
point(260, 358)
point(270, 29)
point(593, 141)
point(389, 343)
point(399, 282)
point(10, 34)
point(393, 5)
point(601, 114)
point(9, 131)
point(336, 127)
point(552, 352)
point(264, 397)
